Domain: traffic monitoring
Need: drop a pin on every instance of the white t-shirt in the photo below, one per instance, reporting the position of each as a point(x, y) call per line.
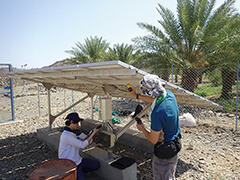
point(69, 146)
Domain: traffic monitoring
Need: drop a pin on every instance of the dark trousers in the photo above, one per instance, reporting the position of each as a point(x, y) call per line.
point(87, 165)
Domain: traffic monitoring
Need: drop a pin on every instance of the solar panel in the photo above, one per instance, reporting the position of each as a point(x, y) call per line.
point(104, 78)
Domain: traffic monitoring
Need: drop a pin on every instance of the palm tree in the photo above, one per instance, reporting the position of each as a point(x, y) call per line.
point(92, 50)
point(152, 55)
point(122, 52)
point(225, 51)
point(184, 38)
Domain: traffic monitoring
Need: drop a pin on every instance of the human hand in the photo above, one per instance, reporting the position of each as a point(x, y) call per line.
point(90, 137)
point(140, 127)
point(133, 93)
point(95, 130)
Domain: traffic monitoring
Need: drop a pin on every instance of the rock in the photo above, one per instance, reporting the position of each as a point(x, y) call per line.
point(201, 170)
point(189, 148)
point(187, 120)
point(201, 161)
point(231, 115)
point(210, 113)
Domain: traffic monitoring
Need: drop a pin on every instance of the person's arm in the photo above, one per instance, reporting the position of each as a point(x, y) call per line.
point(152, 136)
point(78, 143)
point(146, 98)
point(92, 135)
point(75, 142)
point(141, 97)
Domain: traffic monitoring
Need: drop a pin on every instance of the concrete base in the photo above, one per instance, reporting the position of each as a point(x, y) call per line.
point(108, 172)
point(131, 138)
point(7, 122)
point(49, 137)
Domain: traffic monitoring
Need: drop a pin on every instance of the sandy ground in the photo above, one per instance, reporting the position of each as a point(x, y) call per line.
point(210, 151)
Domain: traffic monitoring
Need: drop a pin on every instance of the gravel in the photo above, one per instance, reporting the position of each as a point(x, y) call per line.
point(210, 151)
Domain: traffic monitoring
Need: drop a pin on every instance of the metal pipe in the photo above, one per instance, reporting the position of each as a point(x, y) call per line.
point(4, 92)
point(91, 107)
point(237, 99)
point(11, 93)
point(49, 108)
point(64, 94)
point(73, 98)
point(70, 107)
point(39, 110)
point(110, 126)
point(124, 129)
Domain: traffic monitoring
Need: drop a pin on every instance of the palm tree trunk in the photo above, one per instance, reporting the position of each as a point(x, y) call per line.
point(189, 79)
point(228, 79)
point(200, 77)
point(176, 77)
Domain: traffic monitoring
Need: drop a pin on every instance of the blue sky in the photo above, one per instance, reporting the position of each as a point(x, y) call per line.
point(37, 32)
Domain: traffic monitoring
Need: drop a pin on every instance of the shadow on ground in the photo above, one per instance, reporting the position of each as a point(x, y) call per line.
point(144, 162)
point(20, 154)
point(183, 167)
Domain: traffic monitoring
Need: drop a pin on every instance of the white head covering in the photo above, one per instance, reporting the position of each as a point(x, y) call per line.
point(151, 85)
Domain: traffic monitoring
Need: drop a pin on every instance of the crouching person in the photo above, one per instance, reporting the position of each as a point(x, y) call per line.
point(70, 144)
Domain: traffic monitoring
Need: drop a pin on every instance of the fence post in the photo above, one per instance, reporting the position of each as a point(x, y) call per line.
point(73, 100)
point(39, 110)
point(237, 99)
point(11, 93)
point(64, 95)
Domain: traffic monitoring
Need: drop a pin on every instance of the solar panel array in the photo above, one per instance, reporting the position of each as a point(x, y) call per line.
point(104, 78)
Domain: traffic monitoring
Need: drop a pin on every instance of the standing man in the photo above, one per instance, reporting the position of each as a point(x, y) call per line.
point(70, 144)
point(165, 129)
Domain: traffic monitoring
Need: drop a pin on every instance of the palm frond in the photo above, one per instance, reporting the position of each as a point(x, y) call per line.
point(92, 50)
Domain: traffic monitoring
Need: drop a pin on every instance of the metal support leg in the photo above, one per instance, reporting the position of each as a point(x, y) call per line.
point(49, 109)
point(11, 93)
point(91, 107)
point(64, 95)
point(73, 98)
point(126, 127)
point(69, 107)
point(50, 117)
point(39, 110)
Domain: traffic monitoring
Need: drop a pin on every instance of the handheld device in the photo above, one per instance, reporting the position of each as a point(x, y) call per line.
point(139, 121)
point(90, 132)
point(129, 88)
point(138, 109)
point(99, 126)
